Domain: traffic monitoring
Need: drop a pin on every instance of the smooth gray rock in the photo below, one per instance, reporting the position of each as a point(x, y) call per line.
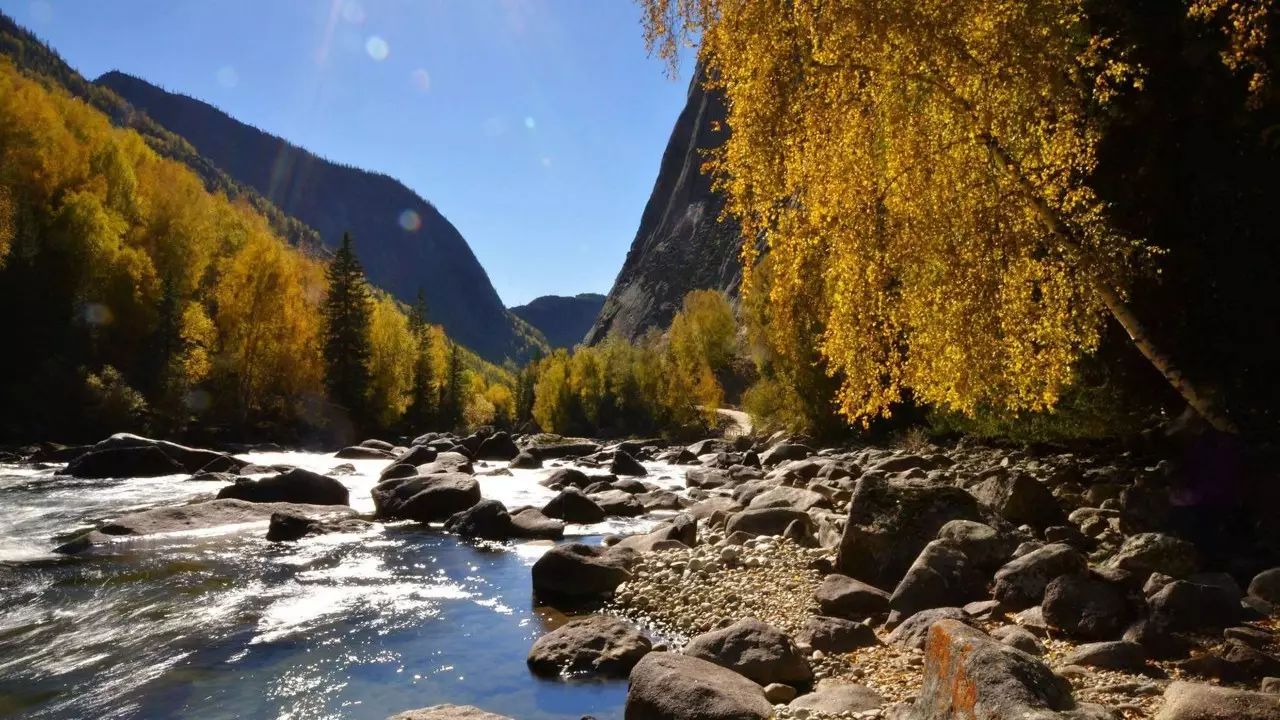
point(425, 498)
point(1145, 553)
point(756, 650)
point(765, 521)
point(1198, 701)
point(1266, 586)
point(575, 570)
point(1109, 655)
point(1086, 607)
point(844, 597)
point(832, 634)
point(531, 523)
point(487, 519)
point(834, 698)
point(1021, 582)
point(448, 712)
point(914, 631)
point(295, 486)
point(1020, 499)
point(595, 644)
point(1183, 605)
point(669, 686)
point(572, 506)
point(941, 576)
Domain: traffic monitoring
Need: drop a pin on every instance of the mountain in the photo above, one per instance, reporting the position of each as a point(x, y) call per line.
point(681, 244)
point(32, 55)
point(405, 244)
point(563, 320)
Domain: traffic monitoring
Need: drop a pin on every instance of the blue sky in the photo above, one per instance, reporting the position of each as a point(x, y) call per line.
point(535, 126)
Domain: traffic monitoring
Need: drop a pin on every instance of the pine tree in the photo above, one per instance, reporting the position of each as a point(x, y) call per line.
point(347, 311)
point(425, 404)
point(451, 404)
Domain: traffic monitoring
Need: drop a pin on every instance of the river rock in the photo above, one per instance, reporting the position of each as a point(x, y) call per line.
point(360, 452)
point(448, 712)
point(487, 519)
point(704, 509)
point(561, 478)
point(1086, 606)
point(624, 464)
point(295, 486)
point(1184, 605)
point(790, 498)
point(1266, 586)
point(1109, 655)
point(1020, 499)
point(1018, 637)
point(914, 631)
point(941, 576)
point(425, 498)
point(968, 674)
point(554, 447)
point(1145, 553)
point(1021, 582)
point(754, 649)
point(832, 634)
point(572, 506)
point(446, 462)
point(890, 523)
point(985, 547)
point(838, 698)
point(708, 478)
point(575, 570)
point(669, 686)
point(1198, 701)
point(595, 644)
point(844, 597)
point(414, 456)
point(618, 503)
point(526, 460)
point(784, 451)
point(206, 515)
point(286, 526)
point(765, 521)
point(498, 446)
point(122, 462)
point(530, 523)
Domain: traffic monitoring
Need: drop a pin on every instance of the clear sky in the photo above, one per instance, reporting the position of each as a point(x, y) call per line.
point(535, 126)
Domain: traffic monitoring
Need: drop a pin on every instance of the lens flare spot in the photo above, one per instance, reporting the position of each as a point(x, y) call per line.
point(530, 123)
point(228, 77)
point(546, 162)
point(377, 48)
point(98, 314)
point(421, 79)
point(410, 220)
point(353, 12)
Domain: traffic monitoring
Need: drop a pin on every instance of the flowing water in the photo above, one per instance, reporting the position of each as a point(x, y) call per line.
point(227, 625)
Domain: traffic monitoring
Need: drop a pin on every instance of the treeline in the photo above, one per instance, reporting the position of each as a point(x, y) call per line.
point(663, 383)
point(134, 299)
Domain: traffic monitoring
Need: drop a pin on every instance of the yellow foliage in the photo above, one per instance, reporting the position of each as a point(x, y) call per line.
point(919, 174)
point(391, 360)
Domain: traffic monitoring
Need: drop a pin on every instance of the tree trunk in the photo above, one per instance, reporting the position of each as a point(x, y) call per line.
point(1198, 398)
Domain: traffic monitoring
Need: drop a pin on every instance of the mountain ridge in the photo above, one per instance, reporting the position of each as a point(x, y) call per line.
point(563, 319)
point(404, 242)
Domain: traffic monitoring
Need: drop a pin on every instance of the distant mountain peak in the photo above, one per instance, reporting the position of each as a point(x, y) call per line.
point(563, 320)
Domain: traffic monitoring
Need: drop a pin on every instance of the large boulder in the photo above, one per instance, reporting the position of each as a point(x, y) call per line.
point(668, 686)
point(832, 634)
point(530, 523)
point(448, 462)
point(498, 446)
point(791, 498)
point(1266, 586)
point(1183, 605)
point(1145, 553)
point(1021, 582)
point(487, 519)
point(548, 447)
point(783, 452)
point(425, 498)
point(203, 516)
point(595, 644)
point(295, 486)
point(123, 462)
point(118, 458)
point(914, 631)
point(361, 452)
point(572, 506)
point(708, 478)
point(890, 523)
point(942, 576)
point(754, 649)
point(1085, 606)
point(968, 674)
point(624, 464)
point(1109, 655)
point(1197, 701)
point(448, 712)
point(526, 460)
point(618, 503)
point(844, 597)
point(286, 526)
point(415, 456)
point(765, 521)
point(1020, 499)
point(985, 547)
point(561, 478)
point(577, 571)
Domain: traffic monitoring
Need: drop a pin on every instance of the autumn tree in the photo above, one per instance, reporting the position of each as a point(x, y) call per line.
point(703, 339)
point(919, 173)
point(347, 314)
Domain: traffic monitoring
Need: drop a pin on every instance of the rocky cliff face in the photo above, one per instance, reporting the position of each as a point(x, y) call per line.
point(404, 243)
point(563, 320)
point(681, 245)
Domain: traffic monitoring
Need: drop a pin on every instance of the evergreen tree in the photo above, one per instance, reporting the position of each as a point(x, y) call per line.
point(425, 404)
point(452, 403)
point(347, 312)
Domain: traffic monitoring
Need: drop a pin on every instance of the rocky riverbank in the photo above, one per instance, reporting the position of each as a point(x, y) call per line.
point(936, 582)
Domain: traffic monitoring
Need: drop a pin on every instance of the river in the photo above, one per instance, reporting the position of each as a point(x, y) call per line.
point(227, 625)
